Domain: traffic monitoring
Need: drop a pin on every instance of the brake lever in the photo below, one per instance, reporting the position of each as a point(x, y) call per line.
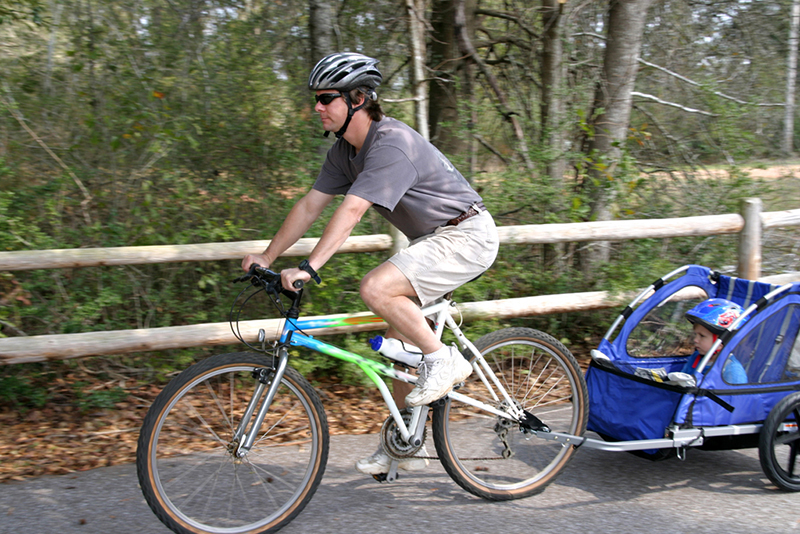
point(249, 275)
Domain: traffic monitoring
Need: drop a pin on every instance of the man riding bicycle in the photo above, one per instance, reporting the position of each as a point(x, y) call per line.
point(381, 162)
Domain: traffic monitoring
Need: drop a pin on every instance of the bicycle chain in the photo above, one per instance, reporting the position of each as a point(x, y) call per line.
point(388, 436)
point(461, 459)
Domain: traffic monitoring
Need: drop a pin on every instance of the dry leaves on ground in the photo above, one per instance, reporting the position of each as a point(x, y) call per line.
point(59, 439)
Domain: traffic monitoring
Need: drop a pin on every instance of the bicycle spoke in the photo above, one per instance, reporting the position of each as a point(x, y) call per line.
point(201, 486)
point(219, 404)
point(191, 474)
point(175, 480)
point(491, 456)
point(206, 425)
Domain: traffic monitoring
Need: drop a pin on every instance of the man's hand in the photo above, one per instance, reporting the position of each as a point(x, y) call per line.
point(288, 277)
point(250, 259)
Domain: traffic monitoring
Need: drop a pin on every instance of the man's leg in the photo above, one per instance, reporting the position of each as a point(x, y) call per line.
point(386, 291)
point(399, 388)
point(379, 462)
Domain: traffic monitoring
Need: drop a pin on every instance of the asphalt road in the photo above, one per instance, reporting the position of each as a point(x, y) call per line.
point(599, 492)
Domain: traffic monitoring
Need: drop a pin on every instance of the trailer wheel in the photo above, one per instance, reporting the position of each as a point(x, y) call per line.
point(779, 444)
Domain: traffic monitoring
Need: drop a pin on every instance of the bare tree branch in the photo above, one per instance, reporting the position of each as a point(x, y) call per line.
point(672, 141)
point(12, 327)
point(696, 84)
point(590, 34)
point(489, 147)
point(505, 39)
point(683, 78)
point(508, 16)
point(673, 104)
point(468, 49)
point(400, 100)
point(87, 197)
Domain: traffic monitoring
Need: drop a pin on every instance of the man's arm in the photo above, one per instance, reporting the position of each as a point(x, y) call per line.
point(300, 218)
point(347, 215)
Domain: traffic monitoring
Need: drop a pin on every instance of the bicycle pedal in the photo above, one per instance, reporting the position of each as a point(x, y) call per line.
point(383, 478)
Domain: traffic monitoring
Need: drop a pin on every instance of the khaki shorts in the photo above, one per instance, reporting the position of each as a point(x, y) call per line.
point(440, 262)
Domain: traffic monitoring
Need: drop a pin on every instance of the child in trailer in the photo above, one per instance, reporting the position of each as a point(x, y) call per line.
point(710, 318)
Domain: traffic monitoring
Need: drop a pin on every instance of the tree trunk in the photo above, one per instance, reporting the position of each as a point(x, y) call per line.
point(450, 79)
point(552, 117)
point(626, 20)
point(321, 24)
point(552, 105)
point(56, 9)
point(791, 75)
point(416, 26)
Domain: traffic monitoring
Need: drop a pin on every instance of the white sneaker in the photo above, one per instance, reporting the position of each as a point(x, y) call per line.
point(379, 463)
point(438, 376)
point(463, 367)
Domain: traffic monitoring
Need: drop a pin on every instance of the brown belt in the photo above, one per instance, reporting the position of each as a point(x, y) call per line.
point(471, 212)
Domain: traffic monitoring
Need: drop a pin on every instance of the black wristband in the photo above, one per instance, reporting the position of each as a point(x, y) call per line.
point(304, 266)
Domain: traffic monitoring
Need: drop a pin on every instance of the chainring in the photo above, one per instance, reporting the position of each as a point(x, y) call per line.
point(392, 440)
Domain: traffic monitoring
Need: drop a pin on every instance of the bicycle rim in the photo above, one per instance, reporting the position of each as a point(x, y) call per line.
point(194, 483)
point(491, 456)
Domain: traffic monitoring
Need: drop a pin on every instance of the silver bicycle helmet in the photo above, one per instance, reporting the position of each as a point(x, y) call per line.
point(344, 71)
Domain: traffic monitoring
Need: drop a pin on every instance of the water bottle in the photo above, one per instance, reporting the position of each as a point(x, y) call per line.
point(396, 350)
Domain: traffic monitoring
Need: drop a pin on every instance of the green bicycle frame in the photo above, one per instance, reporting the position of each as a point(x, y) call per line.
point(294, 335)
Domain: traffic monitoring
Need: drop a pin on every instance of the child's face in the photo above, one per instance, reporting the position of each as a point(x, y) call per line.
point(703, 338)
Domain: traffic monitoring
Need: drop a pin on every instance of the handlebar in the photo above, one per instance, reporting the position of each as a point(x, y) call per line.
point(267, 277)
point(270, 282)
point(256, 269)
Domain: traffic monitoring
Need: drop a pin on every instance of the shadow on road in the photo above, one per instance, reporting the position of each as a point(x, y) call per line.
point(723, 492)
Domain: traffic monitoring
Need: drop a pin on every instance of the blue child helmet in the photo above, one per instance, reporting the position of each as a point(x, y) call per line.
point(715, 314)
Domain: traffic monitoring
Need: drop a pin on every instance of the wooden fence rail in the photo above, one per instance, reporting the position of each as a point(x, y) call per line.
point(748, 225)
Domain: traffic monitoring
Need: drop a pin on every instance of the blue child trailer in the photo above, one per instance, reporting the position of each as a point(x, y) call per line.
point(640, 401)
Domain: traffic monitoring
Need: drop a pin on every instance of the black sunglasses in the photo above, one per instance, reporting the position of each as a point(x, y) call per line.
point(327, 98)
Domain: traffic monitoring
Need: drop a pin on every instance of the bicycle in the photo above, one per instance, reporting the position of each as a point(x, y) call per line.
point(239, 442)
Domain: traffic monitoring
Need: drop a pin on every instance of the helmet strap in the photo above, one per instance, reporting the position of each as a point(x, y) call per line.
point(350, 112)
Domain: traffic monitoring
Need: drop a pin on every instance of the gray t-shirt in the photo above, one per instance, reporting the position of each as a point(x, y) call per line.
point(409, 182)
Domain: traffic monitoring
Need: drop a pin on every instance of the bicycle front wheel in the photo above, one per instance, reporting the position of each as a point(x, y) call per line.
point(188, 470)
point(491, 456)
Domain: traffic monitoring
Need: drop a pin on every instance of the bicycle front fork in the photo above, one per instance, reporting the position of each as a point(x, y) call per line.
point(269, 380)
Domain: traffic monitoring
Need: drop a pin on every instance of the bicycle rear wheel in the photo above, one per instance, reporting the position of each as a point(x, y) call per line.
point(490, 456)
point(187, 470)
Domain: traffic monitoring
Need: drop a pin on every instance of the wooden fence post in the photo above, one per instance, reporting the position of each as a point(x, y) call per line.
point(750, 240)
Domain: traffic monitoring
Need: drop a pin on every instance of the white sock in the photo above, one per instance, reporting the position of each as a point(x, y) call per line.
point(444, 352)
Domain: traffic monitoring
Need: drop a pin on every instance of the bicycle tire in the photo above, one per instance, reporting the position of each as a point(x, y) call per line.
point(542, 377)
point(188, 476)
point(778, 446)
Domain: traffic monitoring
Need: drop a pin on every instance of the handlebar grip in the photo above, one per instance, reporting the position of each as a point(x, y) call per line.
point(298, 284)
